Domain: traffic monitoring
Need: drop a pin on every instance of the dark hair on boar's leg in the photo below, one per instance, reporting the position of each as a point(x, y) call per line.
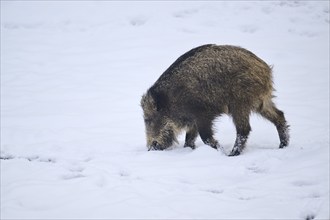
point(205, 83)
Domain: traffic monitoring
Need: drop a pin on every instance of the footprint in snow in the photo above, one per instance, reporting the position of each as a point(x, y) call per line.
point(314, 195)
point(77, 169)
point(214, 191)
point(138, 20)
point(72, 176)
point(250, 29)
point(87, 159)
point(301, 183)
point(246, 198)
point(5, 156)
point(256, 169)
point(40, 159)
point(74, 173)
point(310, 217)
point(185, 13)
point(124, 173)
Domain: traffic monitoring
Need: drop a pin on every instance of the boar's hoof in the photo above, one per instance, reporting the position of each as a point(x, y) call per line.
point(192, 146)
point(234, 152)
point(212, 143)
point(214, 146)
point(283, 144)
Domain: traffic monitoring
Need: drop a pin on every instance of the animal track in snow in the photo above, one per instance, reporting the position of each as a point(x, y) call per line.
point(249, 29)
point(314, 195)
point(5, 156)
point(185, 13)
point(246, 198)
point(72, 176)
point(77, 169)
point(305, 33)
point(40, 159)
point(256, 169)
point(124, 173)
point(74, 172)
point(301, 183)
point(214, 191)
point(138, 20)
point(309, 216)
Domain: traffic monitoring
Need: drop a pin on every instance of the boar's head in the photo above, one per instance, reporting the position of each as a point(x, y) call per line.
point(161, 131)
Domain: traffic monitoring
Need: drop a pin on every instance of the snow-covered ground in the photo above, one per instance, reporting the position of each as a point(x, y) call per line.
point(72, 133)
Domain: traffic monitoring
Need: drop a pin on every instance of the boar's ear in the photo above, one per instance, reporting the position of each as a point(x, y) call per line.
point(147, 103)
point(160, 100)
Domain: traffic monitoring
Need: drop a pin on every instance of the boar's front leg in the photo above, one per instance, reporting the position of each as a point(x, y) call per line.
point(206, 133)
point(191, 136)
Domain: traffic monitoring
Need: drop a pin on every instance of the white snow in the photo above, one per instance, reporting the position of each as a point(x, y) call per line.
point(72, 133)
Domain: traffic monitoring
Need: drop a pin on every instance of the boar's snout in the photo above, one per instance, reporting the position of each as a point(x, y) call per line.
point(155, 146)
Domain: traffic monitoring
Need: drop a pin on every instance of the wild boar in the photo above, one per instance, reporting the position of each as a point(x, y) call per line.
point(203, 84)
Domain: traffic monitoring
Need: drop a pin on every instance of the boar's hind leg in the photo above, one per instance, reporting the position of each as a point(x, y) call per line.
point(243, 128)
point(206, 133)
point(276, 116)
point(191, 137)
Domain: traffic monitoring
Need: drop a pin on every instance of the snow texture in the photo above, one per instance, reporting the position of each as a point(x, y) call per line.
point(72, 133)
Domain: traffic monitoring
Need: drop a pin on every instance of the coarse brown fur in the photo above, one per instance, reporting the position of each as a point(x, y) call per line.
point(204, 83)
